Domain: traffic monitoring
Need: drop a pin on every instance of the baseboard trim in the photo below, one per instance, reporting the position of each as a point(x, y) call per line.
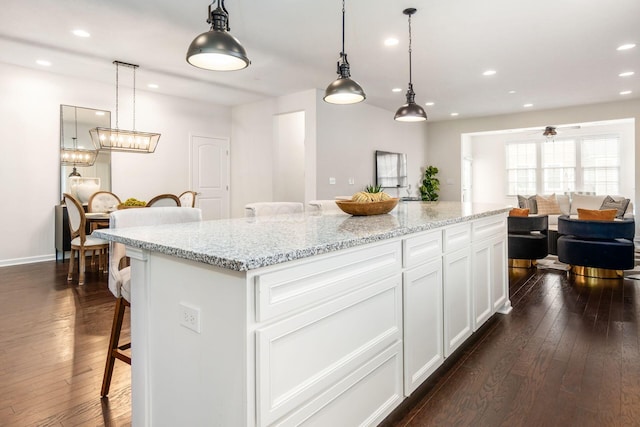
point(27, 260)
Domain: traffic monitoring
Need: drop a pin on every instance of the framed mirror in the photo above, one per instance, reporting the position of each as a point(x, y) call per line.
point(80, 161)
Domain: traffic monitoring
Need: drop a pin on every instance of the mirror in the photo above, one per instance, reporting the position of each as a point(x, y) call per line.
point(75, 123)
point(391, 169)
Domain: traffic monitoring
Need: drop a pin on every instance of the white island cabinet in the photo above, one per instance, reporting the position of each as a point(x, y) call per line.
point(305, 319)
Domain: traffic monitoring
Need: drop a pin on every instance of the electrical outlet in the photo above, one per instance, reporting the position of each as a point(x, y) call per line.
point(190, 317)
point(332, 180)
point(352, 181)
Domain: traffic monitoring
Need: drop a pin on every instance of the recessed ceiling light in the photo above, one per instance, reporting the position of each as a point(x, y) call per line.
point(396, 89)
point(528, 105)
point(153, 86)
point(454, 114)
point(489, 73)
point(80, 33)
point(99, 113)
point(43, 62)
point(429, 104)
point(625, 92)
point(626, 46)
point(511, 92)
point(391, 41)
point(626, 74)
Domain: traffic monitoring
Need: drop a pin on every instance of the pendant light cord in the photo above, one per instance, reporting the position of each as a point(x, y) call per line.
point(410, 80)
point(117, 92)
point(342, 53)
point(134, 99)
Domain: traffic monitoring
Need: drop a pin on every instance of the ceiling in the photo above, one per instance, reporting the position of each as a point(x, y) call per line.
point(552, 53)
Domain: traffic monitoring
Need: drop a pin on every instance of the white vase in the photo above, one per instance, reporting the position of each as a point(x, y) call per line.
point(83, 188)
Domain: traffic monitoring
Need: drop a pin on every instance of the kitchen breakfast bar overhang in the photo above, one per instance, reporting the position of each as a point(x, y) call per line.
point(306, 319)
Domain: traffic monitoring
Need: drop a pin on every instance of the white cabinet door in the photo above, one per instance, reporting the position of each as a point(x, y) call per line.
point(500, 277)
point(482, 278)
point(457, 299)
point(423, 323)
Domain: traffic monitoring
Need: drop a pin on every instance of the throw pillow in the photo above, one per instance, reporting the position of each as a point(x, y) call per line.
point(597, 214)
point(547, 205)
point(620, 205)
point(519, 212)
point(525, 202)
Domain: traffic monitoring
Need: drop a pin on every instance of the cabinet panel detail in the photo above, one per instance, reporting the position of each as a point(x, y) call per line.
point(423, 323)
point(422, 248)
point(350, 330)
point(488, 228)
point(316, 280)
point(499, 269)
point(364, 397)
point(481, 283)
point(457, 299)
point(457, 237)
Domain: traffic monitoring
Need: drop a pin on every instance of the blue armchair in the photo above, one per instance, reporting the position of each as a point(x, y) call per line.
point(596, 248)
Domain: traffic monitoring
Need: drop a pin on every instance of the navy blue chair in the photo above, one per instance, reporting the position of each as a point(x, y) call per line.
point(596, 248)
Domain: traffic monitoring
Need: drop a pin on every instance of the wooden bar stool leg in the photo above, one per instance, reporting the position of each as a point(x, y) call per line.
point(113, 352)
point(81, 266)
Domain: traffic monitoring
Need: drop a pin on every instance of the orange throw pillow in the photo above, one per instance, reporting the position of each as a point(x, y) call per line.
point(598, 215)
point(519, 212)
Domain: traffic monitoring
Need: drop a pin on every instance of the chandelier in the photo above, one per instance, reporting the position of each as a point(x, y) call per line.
point(125, 140)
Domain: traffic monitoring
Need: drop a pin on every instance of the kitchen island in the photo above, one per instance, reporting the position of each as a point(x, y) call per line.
point(306, 319)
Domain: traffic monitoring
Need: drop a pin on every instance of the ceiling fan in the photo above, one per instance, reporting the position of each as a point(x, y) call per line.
point(550, 131)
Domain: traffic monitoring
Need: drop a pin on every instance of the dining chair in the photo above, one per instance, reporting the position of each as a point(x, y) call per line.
point(272, 208)
point(188, 199)
point(81, 242)
point(120, 276)
point(164, 200)
point(102, 202)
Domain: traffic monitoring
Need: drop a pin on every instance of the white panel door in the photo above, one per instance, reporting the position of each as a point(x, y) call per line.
point(210, 175)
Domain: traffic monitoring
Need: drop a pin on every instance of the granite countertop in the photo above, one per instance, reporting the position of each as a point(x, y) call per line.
point(243, 244)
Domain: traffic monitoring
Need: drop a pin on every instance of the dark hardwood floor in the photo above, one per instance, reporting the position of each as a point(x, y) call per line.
point(567, 355)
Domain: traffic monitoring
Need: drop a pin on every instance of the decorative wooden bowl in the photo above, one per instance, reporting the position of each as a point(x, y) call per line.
point(371, 208)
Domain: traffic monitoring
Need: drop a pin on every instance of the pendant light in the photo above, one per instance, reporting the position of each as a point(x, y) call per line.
point(125, 140)
point(344, 90)
point(216, 49)
point(410, 112)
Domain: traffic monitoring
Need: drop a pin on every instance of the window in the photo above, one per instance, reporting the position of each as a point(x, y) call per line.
point(558, 166)
point(521, 168)
point(590, 163)
point(601, 165)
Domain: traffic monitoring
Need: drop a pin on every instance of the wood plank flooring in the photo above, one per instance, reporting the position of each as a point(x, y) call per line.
point(567, 355)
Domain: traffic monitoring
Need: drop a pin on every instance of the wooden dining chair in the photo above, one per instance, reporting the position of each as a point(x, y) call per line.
point(164, 200)
point(81, 243)
point(120, 276)
point(102, 202)
point(188, 199)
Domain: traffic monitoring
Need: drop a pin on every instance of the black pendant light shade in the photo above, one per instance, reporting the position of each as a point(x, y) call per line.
point(217, 49)
point(410, 112)
point(344, 90)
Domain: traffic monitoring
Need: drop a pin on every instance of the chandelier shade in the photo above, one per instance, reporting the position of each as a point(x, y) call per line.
point(77, 157)
point(216, 49)
point(410, 112)
point(116, 139)
point(344, 90)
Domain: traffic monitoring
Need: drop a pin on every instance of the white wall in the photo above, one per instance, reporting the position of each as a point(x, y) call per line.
point(289, 156)
point(444, 147)
point(349, 135)
point(29, 151)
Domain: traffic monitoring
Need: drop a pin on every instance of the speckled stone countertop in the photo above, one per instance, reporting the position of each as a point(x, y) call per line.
point(243, 244)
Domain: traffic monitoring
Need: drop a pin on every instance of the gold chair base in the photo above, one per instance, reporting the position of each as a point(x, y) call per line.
point(522, 263)
point(598, 273)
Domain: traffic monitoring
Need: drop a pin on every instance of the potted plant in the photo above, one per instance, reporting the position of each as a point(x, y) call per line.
point(430, 184)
